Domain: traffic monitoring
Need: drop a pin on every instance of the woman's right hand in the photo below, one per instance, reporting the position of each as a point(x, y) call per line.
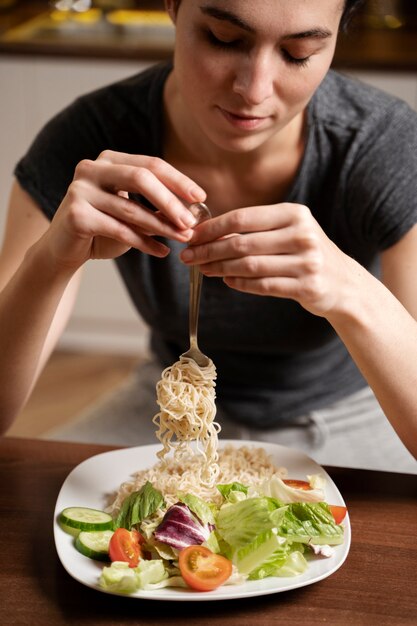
point(97, 220)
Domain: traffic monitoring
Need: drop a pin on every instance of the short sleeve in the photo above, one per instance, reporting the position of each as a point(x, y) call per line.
point(382, 185)
point(125, 116)
point(47, 169)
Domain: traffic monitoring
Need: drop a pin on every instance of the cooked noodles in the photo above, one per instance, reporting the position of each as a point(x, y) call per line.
point(247, 465)
point(186, 397)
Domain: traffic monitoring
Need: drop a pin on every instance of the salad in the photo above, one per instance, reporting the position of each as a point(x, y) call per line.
point(272, 529)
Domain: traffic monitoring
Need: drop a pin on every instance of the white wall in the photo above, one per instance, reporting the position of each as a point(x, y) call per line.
point(31, 91)
point(400, 84)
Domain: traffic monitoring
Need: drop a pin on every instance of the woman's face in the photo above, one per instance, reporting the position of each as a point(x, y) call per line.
point(245, 69)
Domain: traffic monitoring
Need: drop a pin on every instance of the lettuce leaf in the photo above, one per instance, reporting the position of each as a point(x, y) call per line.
point(267, 547)
point(199, 507)
point(120, 578)
point(295, 565)
point(286, 560)
point(233, 492)
point(308, 522)
point(240, 523)
point(138, 506)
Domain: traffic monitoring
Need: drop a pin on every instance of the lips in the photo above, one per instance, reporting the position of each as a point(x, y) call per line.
point(243, 121)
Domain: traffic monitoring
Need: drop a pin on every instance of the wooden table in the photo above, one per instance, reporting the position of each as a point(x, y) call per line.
point(377, 585)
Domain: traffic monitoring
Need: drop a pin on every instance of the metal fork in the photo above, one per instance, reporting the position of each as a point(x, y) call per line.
point(201, 213)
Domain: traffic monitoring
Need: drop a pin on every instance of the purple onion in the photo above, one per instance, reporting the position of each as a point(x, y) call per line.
point(180, 528)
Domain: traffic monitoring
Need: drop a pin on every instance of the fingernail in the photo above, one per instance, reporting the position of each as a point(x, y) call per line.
point(185, 235)
point(197, 194)
point(189, 220)
point(187, 255)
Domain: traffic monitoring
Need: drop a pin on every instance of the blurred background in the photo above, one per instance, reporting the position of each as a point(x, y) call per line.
point(51, 52)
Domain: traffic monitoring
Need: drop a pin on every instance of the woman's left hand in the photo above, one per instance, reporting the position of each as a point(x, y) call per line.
point(277, 250)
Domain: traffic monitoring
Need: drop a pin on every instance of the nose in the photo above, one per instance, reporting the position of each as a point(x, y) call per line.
point(254, 78)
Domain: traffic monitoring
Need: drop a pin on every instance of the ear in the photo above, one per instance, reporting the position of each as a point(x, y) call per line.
point(171, 7)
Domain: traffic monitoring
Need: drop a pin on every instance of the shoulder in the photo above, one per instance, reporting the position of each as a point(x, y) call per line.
point(140, 92)
point(122, 116)
point(363, 152)
point(347, 103)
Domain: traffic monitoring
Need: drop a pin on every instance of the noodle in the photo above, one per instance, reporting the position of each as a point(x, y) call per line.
point(186, 397)
point(247, 465)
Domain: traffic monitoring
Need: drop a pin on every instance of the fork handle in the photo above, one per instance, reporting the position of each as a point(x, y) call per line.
point(201, 212)
point(195, 293)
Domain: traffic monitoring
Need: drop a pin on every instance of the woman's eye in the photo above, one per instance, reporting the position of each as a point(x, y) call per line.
point(300, 61)
point(221, 43)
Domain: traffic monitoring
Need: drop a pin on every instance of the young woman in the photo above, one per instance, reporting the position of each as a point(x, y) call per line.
point(311, 180)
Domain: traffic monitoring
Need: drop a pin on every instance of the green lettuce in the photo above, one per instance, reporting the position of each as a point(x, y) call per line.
point(138, 506)
point(263, 537)
point(120, 578)
point(271, 555)
point(199, 507)
point(310, 522)
point(240, 523)
point(233, 492)
point(295, 565)
point(266, 548)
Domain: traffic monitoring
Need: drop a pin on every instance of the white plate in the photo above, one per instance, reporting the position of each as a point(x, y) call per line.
point(90, 483)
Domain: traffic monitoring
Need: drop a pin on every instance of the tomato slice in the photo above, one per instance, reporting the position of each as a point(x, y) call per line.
point(202, 569)
point(125, 546)
point(338, 512)
point(297, 484)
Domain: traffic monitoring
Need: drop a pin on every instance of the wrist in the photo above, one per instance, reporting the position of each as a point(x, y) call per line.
point(44, 267)
point(358, 299)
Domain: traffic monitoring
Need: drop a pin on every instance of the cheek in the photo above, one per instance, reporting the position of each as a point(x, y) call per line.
point(196, 63)
point(201, 75)
point(301, 83)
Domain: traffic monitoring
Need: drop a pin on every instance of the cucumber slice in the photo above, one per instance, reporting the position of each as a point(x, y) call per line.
point(83, 518)
point(94, 544)
point(70, 531)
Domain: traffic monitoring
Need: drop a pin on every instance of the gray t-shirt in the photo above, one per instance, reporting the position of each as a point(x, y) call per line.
point(275, 361)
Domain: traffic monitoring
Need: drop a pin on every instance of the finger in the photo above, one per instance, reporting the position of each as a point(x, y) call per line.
point(283, 287)
point(178, 182)
point(92, 223)
point(249, 219)
point(124, 234)
point(115, 178)
point(128, 211)
point(238, 246)
point(258, 266)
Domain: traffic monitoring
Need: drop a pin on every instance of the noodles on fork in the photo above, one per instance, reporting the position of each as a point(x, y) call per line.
point(186, 397)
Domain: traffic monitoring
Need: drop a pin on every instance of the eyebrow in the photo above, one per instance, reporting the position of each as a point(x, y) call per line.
point(313, 33)
point(228, 16)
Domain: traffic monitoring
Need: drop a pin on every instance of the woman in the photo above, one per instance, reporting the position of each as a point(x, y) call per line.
point(310, 179)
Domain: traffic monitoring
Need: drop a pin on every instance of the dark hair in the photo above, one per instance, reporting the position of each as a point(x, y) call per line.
point(351, 6)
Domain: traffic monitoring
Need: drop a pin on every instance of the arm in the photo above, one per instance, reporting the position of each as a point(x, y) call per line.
point(35, 303)
point(285, 253)
point(40, 262)
point(381, 335)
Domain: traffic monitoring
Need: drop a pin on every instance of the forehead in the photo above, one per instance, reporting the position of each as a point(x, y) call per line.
point(271, 14)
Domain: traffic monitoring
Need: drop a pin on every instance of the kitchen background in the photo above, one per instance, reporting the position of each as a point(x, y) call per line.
point(51, 52)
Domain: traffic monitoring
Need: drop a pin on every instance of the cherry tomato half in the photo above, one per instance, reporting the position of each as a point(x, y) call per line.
point(338, 513)
point(202, 569)
point(297, 484)
point(125, 546)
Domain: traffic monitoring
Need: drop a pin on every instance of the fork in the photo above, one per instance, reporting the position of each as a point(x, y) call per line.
point(201, 212)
